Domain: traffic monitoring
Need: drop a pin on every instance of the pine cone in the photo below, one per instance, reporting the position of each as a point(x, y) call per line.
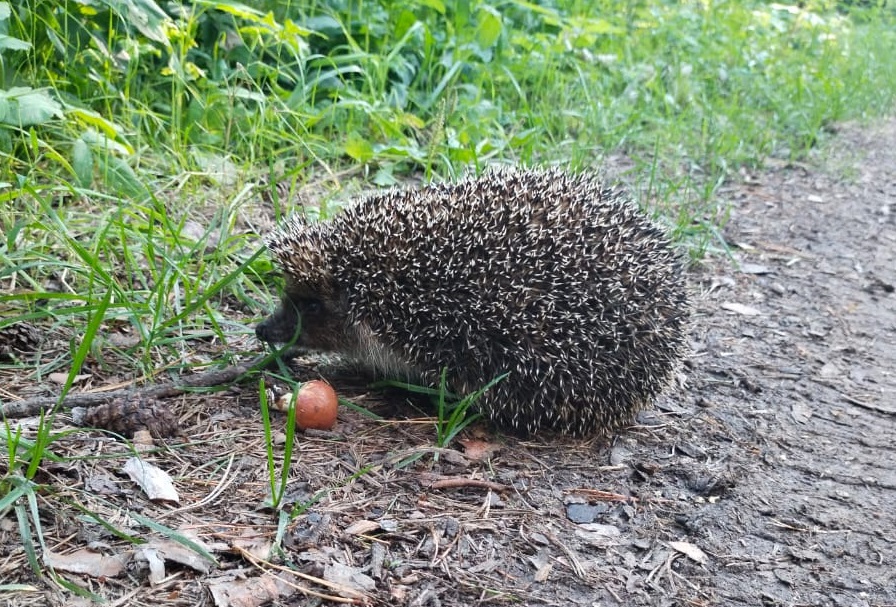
point(127, 416)
point(19, 339)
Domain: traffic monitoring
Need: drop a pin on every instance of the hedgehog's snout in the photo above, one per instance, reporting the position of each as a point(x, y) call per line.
point(262, 330)
point(280, 327)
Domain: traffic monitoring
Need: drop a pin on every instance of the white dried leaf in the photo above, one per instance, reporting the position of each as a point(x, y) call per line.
point(689, 550)
point(362, 527)
point(61, 378)
point(597, 534)
point(154, 481)
point(178, 553)
point(740, 309)
point(155, 561)
point(754, 268)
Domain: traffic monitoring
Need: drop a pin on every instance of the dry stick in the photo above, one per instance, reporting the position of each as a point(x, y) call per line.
point(869, 406)
point(213, 377)
point(457, 481)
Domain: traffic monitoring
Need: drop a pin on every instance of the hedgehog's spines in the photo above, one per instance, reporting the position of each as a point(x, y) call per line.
point(548, 275)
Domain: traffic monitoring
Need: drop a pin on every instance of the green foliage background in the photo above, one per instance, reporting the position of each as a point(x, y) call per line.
point(131, 130)
point(430, 84)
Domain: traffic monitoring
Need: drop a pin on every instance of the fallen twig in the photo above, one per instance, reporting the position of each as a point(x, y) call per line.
point(865, 405)
point(459, 481)
point(213, 377)
point(606, 496)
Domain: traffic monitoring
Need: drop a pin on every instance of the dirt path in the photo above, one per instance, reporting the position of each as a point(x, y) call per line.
point(769, 480)
point(806, 389)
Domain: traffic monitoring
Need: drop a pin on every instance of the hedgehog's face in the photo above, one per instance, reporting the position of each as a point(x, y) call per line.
point(310, 316)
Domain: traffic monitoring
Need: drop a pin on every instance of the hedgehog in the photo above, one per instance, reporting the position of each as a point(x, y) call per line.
point(542, 275)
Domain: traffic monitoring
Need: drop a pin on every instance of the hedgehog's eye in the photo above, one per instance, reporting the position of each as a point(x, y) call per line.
point(312, 306)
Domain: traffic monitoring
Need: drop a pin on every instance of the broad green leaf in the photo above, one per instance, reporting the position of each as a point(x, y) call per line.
point(358, 148)
point(13, 44)
point(82, 162)
point(436, 5)
point(109, 128)
point(145, 15)
point(489, 29)
point(28, 106)
point(237, 9)
point(99, 141)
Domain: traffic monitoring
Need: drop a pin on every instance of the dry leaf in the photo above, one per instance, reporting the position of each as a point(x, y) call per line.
point(362, 527)
point(349, 578)
point(600, 529)
point(800, 412)
point(740, 309)
point(754, 268)
point(479, 450)
point(154, 481)
point(542, 563)
point(253, 542)
point(178, 553)
point(455, 457)
point(155, 562)
point(89, 563)
point(249, 593)
point(597, 534)
point(142, 438)
point(689, 550)
point(61, 378)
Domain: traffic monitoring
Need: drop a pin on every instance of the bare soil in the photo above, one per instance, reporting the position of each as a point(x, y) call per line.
point(768, 478)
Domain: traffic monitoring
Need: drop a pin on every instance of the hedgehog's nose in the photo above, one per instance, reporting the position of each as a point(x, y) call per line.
point(262, 332)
